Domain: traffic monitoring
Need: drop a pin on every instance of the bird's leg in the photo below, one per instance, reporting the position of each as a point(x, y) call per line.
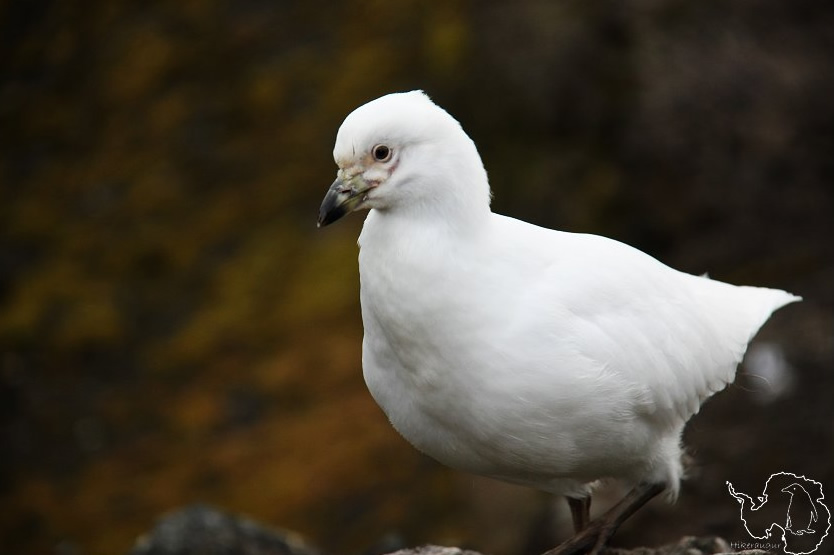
point(580, 511)
point(597, 533)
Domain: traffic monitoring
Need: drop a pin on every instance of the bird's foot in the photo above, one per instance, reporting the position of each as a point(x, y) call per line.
point(594, 537)
point(592, 540)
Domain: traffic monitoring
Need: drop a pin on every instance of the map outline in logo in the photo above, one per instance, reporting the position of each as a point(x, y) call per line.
point(805, 512)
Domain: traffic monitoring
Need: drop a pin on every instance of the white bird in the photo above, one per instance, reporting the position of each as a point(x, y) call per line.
point(534, 356)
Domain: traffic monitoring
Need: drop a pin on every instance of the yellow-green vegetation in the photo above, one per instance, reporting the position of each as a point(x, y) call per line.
point(173, 326)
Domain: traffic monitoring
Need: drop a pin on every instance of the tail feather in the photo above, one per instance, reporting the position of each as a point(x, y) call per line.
point(759, 303)
point(740, 312)
point(735, 315)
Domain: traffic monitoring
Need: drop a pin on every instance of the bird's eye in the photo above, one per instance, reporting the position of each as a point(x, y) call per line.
point(381, 153)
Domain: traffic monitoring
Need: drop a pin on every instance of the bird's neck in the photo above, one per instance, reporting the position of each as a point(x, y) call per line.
point(446, 221)
point(416, 231)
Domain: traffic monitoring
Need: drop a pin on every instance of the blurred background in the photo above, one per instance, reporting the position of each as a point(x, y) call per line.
point(174, 329)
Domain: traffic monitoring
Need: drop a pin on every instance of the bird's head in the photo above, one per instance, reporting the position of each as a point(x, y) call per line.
point(402, 150)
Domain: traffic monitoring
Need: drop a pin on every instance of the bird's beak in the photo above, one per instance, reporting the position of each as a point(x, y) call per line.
point(343, 197)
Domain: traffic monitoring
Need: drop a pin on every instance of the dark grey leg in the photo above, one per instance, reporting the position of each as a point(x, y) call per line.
point(580, 511)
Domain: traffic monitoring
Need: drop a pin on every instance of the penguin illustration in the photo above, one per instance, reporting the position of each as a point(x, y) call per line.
point(801, 509)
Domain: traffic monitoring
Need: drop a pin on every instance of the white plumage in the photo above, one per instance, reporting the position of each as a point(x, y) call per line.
point(535, 356)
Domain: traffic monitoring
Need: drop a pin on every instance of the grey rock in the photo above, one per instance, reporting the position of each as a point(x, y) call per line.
point(203, 530)
point(435, 550)
point(688, 545)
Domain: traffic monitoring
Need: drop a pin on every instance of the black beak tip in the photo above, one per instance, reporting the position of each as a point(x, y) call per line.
point(335, 204)
point(327, 217)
